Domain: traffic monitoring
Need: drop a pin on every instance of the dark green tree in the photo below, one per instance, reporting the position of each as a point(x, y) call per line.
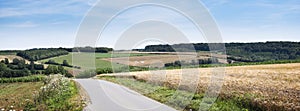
point(65, 63)
point(61, 70)
point(15, 61)
point(6, 61)
point(51, 70)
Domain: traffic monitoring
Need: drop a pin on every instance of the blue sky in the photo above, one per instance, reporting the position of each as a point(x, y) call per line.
point(53, 23)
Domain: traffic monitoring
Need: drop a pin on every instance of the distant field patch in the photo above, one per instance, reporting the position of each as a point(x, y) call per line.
point(85, 57)
point(160, 59)
point(11, 57)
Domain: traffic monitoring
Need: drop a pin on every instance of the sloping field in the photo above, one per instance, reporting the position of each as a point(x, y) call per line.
point(11, 57)
point(268, 87)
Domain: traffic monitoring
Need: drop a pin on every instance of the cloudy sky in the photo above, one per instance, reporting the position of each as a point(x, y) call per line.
point(54, 23)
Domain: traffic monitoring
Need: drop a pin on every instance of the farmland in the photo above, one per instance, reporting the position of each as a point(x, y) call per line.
point(98, 56)
point(261, 87)
point(159, 60)
point(247, 85)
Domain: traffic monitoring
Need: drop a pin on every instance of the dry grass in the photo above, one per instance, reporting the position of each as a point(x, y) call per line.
point(273, 87)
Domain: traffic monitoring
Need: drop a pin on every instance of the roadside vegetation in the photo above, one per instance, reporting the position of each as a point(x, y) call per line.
point(58, 93)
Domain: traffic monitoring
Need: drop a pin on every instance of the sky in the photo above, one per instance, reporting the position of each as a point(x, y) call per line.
point(28, 24)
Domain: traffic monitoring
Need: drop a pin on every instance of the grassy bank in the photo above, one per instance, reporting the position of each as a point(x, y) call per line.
point(177, 99)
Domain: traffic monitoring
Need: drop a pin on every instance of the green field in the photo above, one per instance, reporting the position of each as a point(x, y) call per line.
point(98, 56)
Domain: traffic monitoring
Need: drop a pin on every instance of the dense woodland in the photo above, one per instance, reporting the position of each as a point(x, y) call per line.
point(43, 53)
point(243, 52)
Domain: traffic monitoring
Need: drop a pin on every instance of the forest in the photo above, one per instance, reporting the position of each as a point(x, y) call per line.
point(42, 53)
point(243, 52)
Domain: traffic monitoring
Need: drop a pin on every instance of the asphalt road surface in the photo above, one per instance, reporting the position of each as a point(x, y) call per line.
point(107, 96)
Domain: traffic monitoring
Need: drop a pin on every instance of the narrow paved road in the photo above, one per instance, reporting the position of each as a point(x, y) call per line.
point(107, 96)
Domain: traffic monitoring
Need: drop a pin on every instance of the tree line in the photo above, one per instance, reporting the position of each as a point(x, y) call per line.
point(243, 52)
point(65, 63)
point(42, 53)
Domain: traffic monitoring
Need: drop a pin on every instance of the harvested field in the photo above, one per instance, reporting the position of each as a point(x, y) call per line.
point(161, 58)
point(268, 87)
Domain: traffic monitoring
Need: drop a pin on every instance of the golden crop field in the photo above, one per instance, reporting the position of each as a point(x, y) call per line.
point(271, 87)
